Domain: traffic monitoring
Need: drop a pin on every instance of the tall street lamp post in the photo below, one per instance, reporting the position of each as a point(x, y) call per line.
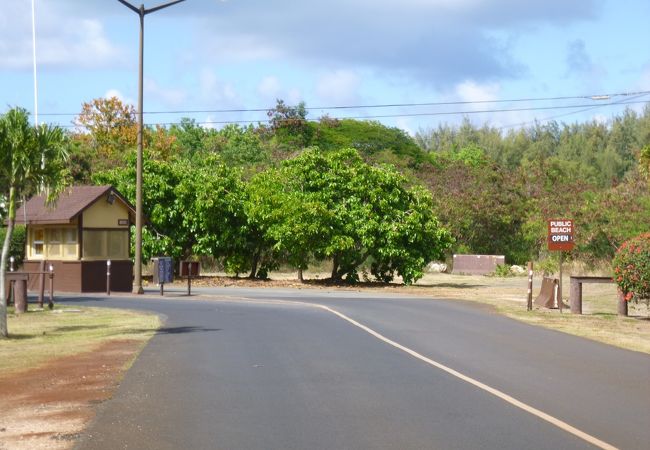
point(141, 12)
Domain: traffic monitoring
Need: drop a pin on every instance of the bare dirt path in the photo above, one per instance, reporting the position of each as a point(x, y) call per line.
point(46, 407)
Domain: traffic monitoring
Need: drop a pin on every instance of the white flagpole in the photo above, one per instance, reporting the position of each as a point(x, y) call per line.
point(34, 58)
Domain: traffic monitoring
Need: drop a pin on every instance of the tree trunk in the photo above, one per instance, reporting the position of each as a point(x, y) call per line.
point(300, 278)
point(4, 332)
point(254, 263)
point(335, 267)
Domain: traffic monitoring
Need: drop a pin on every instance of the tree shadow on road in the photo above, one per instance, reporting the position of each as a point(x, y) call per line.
point(182, 330)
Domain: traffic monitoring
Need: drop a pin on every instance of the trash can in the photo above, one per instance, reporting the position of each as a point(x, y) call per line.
point(163, 270)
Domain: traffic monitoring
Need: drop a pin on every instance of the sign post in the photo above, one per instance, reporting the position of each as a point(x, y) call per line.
point(560, 238)
point(189, 269)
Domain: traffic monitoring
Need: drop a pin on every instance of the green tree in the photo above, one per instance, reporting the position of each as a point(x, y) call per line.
point(484, 205)
point(289, 126)
point(31, 159)
point(192, 209)
point(295, 218)
point(644, 162)
point(353, 213)
point(242, 146)
point(370, 138)
point(17, 245)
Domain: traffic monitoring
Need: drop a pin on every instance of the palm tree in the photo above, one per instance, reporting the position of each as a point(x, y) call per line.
point(32, 159)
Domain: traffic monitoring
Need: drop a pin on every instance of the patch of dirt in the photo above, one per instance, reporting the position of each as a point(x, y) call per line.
point(47, 407)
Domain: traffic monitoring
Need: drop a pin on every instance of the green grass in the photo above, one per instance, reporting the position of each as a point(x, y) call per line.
point(40, 335)
point(599, 321)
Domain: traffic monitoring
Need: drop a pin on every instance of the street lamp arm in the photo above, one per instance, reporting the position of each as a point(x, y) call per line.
point(130, 6)
point(156, 8)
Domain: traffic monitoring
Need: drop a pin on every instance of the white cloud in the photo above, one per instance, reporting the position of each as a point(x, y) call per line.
point(600, 118)
point(294, 96)
point(118, 94)
point(209, 123)
point(405, 124)
point(242, 48)
point(168, 96)
point(269, 88)
point(61, 40)
point(214, 90)
point(339, 88)
point(471, 91)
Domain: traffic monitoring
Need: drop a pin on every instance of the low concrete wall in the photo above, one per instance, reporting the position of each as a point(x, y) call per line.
point(476, 264)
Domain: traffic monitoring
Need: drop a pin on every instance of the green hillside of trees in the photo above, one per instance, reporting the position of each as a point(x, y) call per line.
point(367, 197)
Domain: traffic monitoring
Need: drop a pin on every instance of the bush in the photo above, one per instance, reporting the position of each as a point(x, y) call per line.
point(547, 266)
point(632, 268)
point(502, 271)
point(17, 245)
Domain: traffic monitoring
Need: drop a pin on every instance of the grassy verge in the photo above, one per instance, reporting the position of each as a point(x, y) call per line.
point(41, 335)
point(599, 320)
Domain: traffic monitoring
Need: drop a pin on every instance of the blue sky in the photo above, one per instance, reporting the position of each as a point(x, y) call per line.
point(214, 55)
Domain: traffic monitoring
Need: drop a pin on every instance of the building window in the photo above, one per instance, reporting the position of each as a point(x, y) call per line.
point(54, 242)
point(70, 242)
point(94, 244)
point(106, 244)
point(118, 244)
point(38, 242)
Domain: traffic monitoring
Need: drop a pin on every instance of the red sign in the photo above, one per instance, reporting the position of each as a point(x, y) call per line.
point(560, 234)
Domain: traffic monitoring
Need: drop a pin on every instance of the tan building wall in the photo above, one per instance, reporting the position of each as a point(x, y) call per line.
point(103, 214)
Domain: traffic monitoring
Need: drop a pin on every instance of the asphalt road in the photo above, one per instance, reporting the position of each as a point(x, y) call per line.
point(266, 369)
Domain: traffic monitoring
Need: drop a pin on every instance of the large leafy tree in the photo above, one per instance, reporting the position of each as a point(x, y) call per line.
point(31, 159)
point(192, 208)
point(295, 219)
point(334, 205)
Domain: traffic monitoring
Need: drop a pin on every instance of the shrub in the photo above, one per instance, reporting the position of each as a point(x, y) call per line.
point(502, 271)
point(17, 245)
point(547, 266)
point(632, 268)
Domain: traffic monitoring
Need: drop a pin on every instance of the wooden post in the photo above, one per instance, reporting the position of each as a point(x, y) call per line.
point(50, 303)
point(575, 296)
point(41, 288)
point(622, 304)
point(108, 277)
point(189, 278)
point(20, 296)
point(529, 303)
point(559, 287)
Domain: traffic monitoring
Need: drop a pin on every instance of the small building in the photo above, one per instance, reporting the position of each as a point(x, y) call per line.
point(87, 226)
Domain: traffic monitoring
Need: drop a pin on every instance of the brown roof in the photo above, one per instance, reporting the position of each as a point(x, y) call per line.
point(69, 205)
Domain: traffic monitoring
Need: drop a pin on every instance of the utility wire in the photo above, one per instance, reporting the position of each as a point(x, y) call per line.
point(595, 97)
point(424, 114)
point(625, 101)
